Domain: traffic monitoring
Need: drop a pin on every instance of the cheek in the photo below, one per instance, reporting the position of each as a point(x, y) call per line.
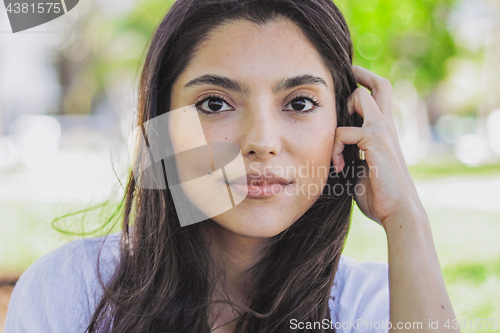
point(314, 140)
point(219, 131)
point(315, 153)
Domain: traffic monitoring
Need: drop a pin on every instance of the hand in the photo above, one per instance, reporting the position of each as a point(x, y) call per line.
point(386, 190)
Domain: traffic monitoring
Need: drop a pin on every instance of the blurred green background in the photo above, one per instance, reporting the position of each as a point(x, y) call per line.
point(440, 55)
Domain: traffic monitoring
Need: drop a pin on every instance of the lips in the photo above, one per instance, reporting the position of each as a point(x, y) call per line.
point(259, 186)
point(260, 179)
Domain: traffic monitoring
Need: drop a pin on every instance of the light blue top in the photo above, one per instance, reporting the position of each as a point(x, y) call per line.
point(60, 291)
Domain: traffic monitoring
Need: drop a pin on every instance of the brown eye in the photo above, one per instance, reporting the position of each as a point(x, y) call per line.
point(213, 105)
point(301, 104)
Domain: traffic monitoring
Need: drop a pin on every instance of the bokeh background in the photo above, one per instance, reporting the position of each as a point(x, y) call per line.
point(68, 96)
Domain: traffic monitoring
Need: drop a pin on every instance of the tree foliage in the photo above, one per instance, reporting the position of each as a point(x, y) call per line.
point(401, 39)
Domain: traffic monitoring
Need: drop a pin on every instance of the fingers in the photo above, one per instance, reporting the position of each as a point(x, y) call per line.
point(380, 88)
point(343, 136)
point(361, 101)
point(378, 129)
point(368, 139)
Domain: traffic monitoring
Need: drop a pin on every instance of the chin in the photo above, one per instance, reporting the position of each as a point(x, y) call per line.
point(259, 222)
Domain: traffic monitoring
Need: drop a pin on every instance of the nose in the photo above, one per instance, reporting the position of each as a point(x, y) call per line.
point(260, 133)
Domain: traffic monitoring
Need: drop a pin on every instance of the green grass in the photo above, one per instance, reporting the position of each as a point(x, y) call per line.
point(29, 229)
point(452, 168)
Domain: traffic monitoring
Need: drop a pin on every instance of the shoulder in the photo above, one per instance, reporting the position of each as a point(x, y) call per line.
point(59, 291)
point(360, 295)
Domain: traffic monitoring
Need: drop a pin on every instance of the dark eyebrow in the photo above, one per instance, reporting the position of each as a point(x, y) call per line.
point(284, 84)
point(296, 81)
point(217, 80)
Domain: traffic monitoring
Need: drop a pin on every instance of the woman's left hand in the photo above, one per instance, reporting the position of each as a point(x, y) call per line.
point(386, 190)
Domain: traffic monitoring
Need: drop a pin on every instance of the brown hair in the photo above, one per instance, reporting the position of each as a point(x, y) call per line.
point(164, 284)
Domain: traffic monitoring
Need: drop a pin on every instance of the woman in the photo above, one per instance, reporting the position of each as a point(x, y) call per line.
point(276, 79)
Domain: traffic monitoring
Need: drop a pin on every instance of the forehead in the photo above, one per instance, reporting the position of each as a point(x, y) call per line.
point(249, 52)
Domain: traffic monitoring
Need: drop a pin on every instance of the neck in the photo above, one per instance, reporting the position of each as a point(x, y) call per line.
point(236, 255)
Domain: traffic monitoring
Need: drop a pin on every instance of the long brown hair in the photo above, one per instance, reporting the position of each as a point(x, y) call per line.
point(165, 283)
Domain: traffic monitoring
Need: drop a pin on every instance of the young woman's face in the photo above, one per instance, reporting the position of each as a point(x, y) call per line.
point(270, 78)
